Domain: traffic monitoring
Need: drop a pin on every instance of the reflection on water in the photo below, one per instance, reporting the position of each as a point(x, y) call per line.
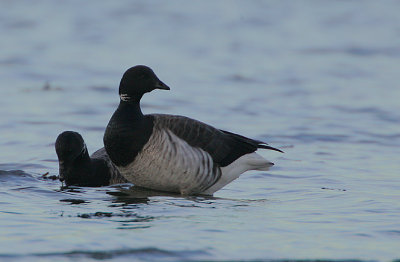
point(142, 254)
point(318, 80)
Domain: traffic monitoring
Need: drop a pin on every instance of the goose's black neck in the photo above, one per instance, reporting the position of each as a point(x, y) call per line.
point(88, 172)
point(77, 171)
point(131, 109)
point(127, 132)
point(83, 159)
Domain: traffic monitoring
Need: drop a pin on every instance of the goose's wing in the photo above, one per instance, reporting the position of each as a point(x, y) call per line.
point(223, 146)
point(115, 176)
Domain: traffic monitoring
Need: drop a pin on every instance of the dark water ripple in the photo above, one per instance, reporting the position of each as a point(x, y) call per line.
point(142, 254)
point(355, 51)
point(315, 138)
point(376, 113)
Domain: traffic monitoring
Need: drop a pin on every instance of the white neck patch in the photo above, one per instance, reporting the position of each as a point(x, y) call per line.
point(84, 149)
point(125, 97)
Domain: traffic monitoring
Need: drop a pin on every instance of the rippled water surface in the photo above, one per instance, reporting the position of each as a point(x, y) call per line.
point(318, 79)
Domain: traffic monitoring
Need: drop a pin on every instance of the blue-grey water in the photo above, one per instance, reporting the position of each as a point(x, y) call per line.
point(318, 79)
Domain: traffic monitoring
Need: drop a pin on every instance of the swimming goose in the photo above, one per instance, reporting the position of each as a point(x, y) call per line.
point(174, 153)
point(77, 168)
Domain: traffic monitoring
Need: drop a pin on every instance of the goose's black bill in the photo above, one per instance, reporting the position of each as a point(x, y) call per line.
point(162, 86)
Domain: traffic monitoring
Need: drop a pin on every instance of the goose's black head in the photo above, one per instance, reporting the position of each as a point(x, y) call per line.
point(137, 81)
point(73, 157)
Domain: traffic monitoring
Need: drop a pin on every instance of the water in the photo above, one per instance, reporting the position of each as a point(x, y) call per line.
point(318, 79)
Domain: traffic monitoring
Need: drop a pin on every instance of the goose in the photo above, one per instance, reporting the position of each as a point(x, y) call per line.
point(78, 169)
point(174, 153)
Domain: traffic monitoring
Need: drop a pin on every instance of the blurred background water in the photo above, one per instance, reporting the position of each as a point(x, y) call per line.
point(318, 79)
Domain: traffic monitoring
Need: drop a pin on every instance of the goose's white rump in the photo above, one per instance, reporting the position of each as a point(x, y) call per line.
point(252, 161)
point(168, 163)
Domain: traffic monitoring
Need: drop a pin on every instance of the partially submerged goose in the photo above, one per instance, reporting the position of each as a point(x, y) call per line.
point(174, 153)
point(77, 168)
